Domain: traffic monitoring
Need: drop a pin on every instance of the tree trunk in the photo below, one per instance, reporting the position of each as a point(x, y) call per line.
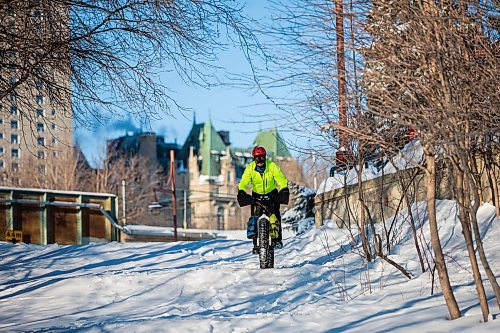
point(477, 176)
point(444, 279)
point(477, 235)
point(412, 223)
point(484, 260)
point(362, 223)
point(490, 171)
point(462, 199)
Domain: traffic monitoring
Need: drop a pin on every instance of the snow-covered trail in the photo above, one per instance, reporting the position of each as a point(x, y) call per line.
point(112, 285)
point(217, 286)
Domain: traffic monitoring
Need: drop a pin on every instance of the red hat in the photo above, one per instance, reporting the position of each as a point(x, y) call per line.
point(258, 151)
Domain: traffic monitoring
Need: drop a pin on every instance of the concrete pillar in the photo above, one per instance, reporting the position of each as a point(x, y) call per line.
point(79, 222)
point(10, 212)
point(43, 219)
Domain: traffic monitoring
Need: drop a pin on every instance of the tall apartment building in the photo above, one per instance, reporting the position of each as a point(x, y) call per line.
point(35, 98)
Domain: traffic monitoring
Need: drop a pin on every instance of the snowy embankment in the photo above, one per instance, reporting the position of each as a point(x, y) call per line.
point(320, 284)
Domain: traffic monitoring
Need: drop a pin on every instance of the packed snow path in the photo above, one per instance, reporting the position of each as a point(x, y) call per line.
point(318, 285)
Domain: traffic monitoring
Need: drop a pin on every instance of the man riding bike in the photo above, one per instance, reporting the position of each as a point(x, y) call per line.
point(264, 175)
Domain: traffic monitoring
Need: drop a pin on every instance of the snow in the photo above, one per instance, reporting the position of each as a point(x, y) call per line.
point(206, 179)
point(409, 157)
point(41, 191)
point(169, 231)
point(320, 284)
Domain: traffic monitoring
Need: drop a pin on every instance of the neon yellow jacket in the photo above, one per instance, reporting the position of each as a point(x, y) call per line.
point(265, 183)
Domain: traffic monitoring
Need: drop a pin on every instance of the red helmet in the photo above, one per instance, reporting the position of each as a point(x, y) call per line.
point(258, 151)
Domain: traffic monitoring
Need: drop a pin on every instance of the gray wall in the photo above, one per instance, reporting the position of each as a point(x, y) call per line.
point(383, 197)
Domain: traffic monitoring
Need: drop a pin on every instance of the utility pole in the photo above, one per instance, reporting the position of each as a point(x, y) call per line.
point(315, 172)
point(174, 201)
point(341, 74)
point(184, 221)
point(124, 210)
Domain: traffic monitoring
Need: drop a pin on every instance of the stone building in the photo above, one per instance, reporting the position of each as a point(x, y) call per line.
point(215, 169)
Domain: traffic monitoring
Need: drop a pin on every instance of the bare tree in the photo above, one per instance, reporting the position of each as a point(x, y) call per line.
point(431, 67)
point(62, 169)
point(425, 73)
point(142, 178)
point(99, 59)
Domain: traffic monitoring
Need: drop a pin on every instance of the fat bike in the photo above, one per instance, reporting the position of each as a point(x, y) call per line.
point(263, 241)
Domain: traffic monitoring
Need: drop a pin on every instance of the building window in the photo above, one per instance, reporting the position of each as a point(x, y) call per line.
point(14, 138)
point(41, 155)
point(1, 164)
point(39, 99)
point(53, 112)
point(13, 96)
point(53, 140)
point(1, 121)
point(53, 126)
point(41, 168)
point(41, 140)
point(15, 152)
point(13, 80)
point(13, 124)
point(13, 110)
point(1, 135)
point(15, 166)
point(220, 218)
point(39, 84)
point(40, 112)
point(54, 153)
point(2, 150)
point(40, 127)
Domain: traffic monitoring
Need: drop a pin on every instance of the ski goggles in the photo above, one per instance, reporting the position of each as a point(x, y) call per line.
point(260, 158)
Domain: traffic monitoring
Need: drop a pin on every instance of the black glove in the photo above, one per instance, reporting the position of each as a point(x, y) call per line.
point(284, 196)
point(244, 199)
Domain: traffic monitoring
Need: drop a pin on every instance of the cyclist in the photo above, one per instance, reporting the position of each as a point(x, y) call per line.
point(264, 176)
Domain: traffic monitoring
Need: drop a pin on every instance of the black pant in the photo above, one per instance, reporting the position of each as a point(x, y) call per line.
point(274, 208)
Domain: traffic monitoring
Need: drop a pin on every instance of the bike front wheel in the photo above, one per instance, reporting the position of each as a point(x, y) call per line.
point(264, 244)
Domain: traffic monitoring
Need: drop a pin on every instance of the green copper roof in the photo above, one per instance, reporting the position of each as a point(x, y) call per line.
point(273, 142)
point(211, 147)
point(191, 140)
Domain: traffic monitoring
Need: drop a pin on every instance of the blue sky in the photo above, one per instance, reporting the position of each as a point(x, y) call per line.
point(240, 111)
